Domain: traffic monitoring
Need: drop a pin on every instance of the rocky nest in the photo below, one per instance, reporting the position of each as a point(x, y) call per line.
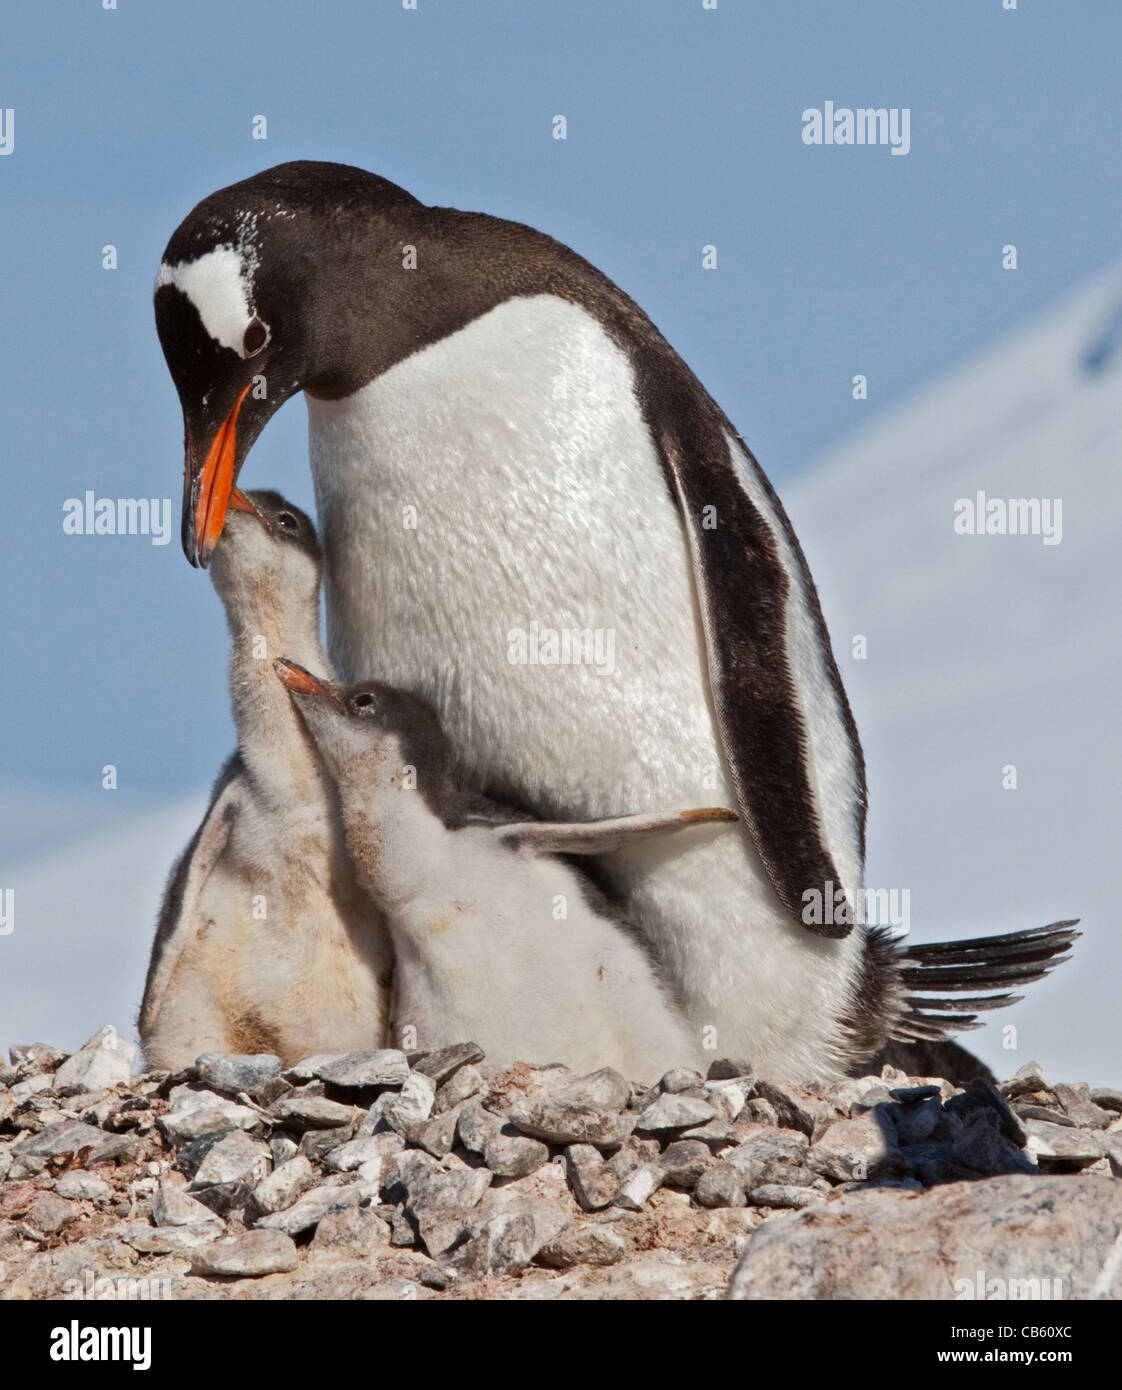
point(385, 1175)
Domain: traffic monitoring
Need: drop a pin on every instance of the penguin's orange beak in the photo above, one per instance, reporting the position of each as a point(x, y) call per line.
point(302, 682)
point(216, 484)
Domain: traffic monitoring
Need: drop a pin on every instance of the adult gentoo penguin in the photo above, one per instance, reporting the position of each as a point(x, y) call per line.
point(535, 516)
point(495, 938)
point(265, 942)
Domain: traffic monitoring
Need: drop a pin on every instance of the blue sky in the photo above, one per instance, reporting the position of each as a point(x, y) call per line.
point(683, 130)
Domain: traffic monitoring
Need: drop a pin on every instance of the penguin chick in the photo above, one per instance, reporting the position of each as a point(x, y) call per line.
point(265, 943)
point(495, 938)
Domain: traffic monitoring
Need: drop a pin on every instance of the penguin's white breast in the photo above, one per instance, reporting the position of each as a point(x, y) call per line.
point(500, 538)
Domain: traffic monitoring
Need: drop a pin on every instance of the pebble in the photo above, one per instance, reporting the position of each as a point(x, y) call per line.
point(80, 1186)
point(234, 1074)
point(357, 1070)
point(587, 1244)
point(174, 1206)
point(443, 1064)
point(439, 1174)
point(593, 1183)
point(307, 1211)
point(721, 1185)
point(248, 1255)
point(777, 1194)
point(280, 1188)
point(561, 1121)
point(301, 1112)
point(675, 1111)
point(105, 1060)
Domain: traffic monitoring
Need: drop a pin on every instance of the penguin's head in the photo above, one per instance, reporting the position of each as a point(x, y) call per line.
point(267, 288)
point(269, 554)
point(373, 735)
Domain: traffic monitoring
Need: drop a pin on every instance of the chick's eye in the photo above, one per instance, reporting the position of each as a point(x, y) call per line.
point(362, 704)
point(287, 520)
point(256, 336)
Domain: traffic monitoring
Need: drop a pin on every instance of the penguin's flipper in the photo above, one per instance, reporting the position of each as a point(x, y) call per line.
point(982, 963)
point(179, 919)
point(603, 836)
point(784, 722)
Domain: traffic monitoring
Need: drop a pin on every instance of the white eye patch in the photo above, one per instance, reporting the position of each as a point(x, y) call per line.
point(217, 284)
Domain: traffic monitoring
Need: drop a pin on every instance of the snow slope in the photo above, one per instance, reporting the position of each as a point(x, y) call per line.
point(986, 651)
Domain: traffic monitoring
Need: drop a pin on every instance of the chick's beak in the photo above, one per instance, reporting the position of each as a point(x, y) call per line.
point(302, 682)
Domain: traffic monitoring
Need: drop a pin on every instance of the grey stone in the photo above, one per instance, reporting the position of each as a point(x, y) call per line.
point(460, 1086)
point(680, 1079)
point(173, 1240)
point(727, 1068)
point(1107, 1098)
point(765, 1155)
point(728, 1098)
point(174, 1206)
point(1028, 1078)
point(604, 1088)
point(60, 1140)
point(851, 1150)
point(797, 1107)
point(412, 1105)
point(356, 1070)
point(891, 1244)
point(778, 1194)
point(593, 1183)
point(301, 1112)
point(475, 1124)
point(317, 1144)
point(509, 1154)
point(1058, 1145)
point(80, 1186)
point(233, 1074)
point(228, 1172)
point(194, 1112)
point(589, 1243)
point(248, 1255)
point(435, 1136)
point(354, 1231)
point(675, 1111)
point(309, 1210)
point(684, 1162)
point(50, 1214)
point(447, 1061)
point(721, 1185)
point(105, 1060)
point(761, 1112)
point(37, 1057)
point(355, 1153)
point(560, 1121)
point(438, 1201)
point(1043, 1112)
point(1080, 1108)
point(282, 1147)
point(280, 1188)
point(504, 1245)
point(638, 1187)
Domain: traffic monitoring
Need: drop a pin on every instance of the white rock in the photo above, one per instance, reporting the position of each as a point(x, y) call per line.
point(106, 1060)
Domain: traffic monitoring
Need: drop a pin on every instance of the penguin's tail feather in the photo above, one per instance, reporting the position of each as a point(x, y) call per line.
point(927, 974)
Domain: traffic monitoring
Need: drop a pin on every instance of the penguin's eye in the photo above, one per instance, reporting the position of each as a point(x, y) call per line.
point(287, 520)
point(256, 336)
point(362, 704)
